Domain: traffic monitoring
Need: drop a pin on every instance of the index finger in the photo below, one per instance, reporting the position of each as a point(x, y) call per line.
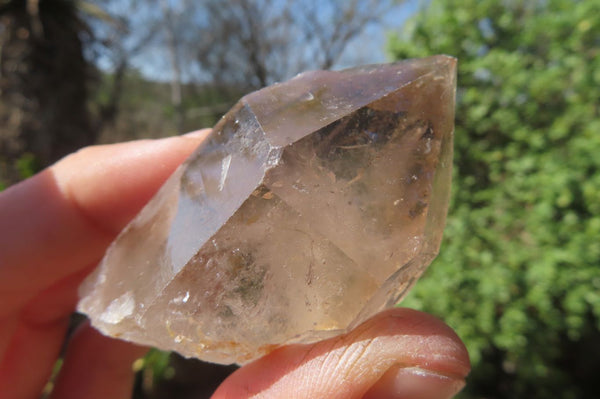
point(61, 220)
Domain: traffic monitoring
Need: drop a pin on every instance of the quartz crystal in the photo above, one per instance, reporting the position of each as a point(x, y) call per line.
point(313, 204)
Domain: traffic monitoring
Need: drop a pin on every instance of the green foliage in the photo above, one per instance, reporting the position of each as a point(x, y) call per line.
point(51, 381)
point(155, 366)
point(518, 275)
point(13, 171)
point(26, 165)
point(145, 109)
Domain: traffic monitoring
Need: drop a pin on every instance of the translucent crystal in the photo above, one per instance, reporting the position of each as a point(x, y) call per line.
point(314, 204)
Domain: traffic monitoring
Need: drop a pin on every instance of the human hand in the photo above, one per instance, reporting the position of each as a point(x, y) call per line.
point(55, 228)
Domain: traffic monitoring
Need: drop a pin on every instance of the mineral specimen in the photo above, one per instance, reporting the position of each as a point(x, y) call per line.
point(314, 204)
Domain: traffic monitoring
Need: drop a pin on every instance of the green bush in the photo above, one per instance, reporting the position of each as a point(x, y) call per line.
point(518, 275)
point(16, 170)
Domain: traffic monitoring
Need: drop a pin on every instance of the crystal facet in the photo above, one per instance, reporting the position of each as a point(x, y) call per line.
point(314, 204)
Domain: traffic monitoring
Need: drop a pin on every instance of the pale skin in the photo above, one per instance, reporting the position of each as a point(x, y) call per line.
point(54, 228)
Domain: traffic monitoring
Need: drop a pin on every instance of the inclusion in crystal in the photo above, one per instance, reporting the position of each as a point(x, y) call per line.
point(314, 204)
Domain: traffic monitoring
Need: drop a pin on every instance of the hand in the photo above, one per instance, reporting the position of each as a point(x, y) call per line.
point(55, 227)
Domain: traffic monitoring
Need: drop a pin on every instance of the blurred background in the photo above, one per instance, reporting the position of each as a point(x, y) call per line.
point(518, 274)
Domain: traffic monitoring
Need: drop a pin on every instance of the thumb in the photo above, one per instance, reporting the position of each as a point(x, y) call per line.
point(399, 353)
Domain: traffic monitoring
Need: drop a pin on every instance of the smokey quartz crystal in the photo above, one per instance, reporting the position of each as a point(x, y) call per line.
point(314, 204)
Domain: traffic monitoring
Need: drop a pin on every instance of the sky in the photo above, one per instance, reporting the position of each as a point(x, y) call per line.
point(392, 22)
point(372, 38)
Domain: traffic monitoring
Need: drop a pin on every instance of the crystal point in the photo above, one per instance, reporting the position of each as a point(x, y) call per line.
point(314, 204)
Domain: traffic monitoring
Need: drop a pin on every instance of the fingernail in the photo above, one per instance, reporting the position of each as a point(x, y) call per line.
point(414, 383)
point(197, 133)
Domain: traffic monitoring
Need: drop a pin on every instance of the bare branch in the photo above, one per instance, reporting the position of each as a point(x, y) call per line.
point(256, 42)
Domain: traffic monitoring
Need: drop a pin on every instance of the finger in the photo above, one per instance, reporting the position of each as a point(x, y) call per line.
point(62, 219)
point(52, 232)
point(110, 184)
point(413, 383)
point(397, 342)
point(96, 367)
point(9, 327)
point(42, 325)
point(28, 361)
